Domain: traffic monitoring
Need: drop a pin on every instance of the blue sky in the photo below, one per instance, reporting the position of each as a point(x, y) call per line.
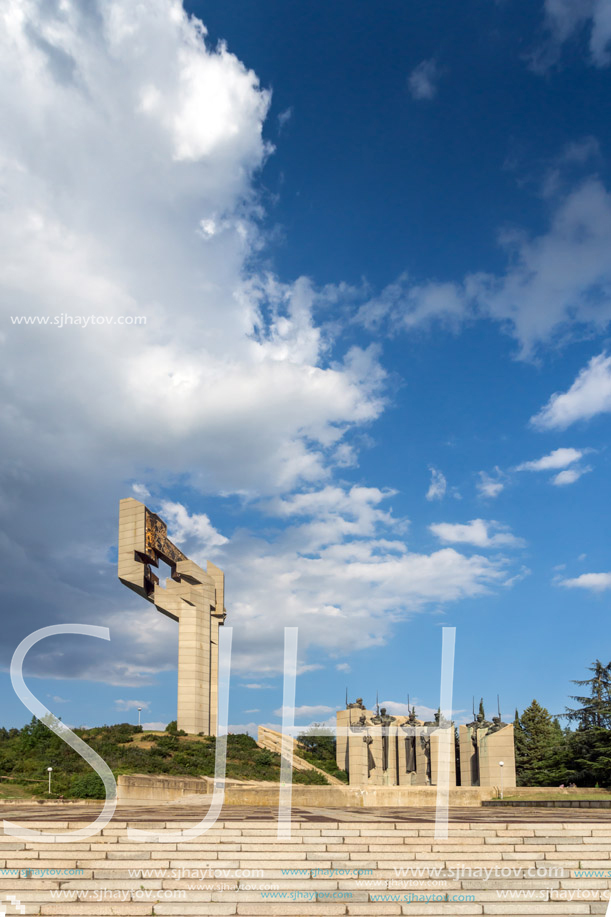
point(371, 244)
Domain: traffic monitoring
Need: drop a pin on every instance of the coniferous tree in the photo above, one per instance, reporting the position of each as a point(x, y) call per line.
point(589, 747)
point(519, 744)
point(595, 707)
point(589, 757)
point(540, 744)
point(558, 730)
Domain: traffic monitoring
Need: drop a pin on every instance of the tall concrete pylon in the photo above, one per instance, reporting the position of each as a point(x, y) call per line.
point(192, 596)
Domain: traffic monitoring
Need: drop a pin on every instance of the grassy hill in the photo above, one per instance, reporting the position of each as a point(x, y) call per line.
point(25, 755)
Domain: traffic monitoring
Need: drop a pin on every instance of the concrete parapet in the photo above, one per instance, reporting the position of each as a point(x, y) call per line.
point(138, 789)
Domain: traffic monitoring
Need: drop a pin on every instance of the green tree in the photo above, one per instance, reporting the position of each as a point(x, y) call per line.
point(589, 747)
point(87, 786)
point(319, 741)
point(519, 744)
point(318, 746)
point(595, 707)
point(540, 748)
point(589, 756)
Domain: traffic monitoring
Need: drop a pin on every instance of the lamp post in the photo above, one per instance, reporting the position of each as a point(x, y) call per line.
point(50, 769)
point(139, 709)
point(501, 763)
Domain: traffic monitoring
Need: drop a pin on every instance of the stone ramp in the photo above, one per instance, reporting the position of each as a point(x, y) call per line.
point(334, 863)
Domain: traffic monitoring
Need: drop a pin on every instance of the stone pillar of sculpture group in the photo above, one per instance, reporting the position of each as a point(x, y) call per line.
point(483, 746)
point(192, 596)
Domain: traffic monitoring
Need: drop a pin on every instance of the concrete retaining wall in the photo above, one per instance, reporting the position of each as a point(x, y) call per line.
point(140, 789)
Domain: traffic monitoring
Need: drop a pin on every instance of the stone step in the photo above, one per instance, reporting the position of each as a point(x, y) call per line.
point(244, 863)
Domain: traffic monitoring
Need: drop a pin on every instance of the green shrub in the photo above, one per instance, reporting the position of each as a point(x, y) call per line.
point(318, 747)
point(167, 743)
point(87, 786)
point(311, 778)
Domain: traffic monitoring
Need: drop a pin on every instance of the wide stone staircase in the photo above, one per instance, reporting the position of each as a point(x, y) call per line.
point(332, 864)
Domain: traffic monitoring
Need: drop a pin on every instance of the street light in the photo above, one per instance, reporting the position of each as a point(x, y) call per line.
point(501, 763)
point(49, 770)
point(139, 709)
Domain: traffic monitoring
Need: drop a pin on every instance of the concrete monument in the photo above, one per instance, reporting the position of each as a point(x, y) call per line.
point(409, 752)
point(483, 746)
point(192, 596)
point(405, 751)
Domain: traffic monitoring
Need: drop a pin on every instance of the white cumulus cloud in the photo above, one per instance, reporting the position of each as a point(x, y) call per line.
point(569, 476)
point(565, 19)
point(196, 526)
point(556, 283)
point(478, 532)
point(132, 704)
point(595, 582)
point(557, 280)
point(129, 160)
point(438, 485)
point(559, 458)
point(588, 396)
point(344, 593)
point(490, 486)
point(398, 708)
point(306, 711)
point(405, 305)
